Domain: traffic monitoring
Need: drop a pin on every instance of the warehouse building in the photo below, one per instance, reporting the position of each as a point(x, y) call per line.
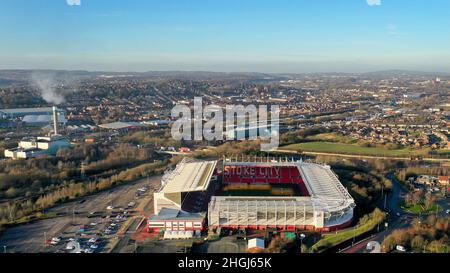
point(22, 112)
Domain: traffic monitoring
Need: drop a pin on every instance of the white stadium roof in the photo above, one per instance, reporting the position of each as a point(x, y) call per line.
point(188, 176)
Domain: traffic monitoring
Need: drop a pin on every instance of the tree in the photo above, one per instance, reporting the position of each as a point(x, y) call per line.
point(418, 243)
point(431, 220)
point(417, 197)
point(388, 243)
point(437, 247)
point(408, 199)
point(429, 201)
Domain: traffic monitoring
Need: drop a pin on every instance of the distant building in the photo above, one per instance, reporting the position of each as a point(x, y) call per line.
point(22, 112)
point(41, 120)
point(255, 244)
point(426, 180)
point(122, 127)
point(33, 147)
point(444, 180)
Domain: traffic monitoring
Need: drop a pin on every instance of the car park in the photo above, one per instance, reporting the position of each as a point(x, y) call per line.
point(108, 231)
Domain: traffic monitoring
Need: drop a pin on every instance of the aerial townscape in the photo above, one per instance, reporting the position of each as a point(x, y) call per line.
point(91, 160)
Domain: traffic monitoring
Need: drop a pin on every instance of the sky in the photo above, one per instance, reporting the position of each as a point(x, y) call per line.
point(279, 36)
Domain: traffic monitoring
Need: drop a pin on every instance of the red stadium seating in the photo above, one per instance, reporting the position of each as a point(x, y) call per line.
point(262, 174)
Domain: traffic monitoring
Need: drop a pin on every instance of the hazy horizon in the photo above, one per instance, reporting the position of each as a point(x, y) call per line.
point(264, 36)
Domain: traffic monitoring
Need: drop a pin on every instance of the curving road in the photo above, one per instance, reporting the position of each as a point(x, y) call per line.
point(397, 217)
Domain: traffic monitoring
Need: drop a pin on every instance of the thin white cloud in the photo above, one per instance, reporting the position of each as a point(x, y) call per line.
point(73, 2)
point(374, 2)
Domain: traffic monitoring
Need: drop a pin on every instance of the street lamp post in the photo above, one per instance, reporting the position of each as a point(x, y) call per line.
point(302, 236)
point(354, 234)
point(4, 249)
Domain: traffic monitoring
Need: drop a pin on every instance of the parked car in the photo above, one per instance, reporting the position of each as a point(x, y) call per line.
point(400, 248)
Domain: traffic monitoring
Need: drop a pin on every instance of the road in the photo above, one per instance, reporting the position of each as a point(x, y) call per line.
point(30, 238)
point(395, 221)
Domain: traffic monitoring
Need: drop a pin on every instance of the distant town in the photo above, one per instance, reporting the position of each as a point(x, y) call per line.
point(88, 162)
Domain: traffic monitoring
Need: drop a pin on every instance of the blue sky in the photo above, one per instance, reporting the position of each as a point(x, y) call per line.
point(226, 35)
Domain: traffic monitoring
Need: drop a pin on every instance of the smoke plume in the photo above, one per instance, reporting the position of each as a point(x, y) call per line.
point(47, 86)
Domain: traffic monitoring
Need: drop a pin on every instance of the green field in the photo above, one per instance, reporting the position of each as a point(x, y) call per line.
point(333, 137)
point(419, 208)
point(339, 148)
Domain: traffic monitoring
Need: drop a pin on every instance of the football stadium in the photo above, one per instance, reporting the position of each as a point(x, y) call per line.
point(259, 194)
point(286, 195)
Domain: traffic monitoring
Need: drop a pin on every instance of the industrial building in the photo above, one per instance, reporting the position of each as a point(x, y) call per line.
point(22, 112)
point(122, 127)
point(30, 147)
point(33, 147)
point(42, 120)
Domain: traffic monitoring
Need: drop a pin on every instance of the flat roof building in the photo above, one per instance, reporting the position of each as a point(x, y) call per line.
point(21, 112)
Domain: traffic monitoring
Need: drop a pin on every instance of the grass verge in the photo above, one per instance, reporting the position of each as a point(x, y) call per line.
point(366, 224)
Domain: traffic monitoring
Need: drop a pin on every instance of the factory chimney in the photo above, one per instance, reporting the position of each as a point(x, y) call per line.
point(55, 121)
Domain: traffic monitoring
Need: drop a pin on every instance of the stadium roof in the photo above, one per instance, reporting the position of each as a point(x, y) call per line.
point(189, 175)
point(175, 214)
point(322, 182)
